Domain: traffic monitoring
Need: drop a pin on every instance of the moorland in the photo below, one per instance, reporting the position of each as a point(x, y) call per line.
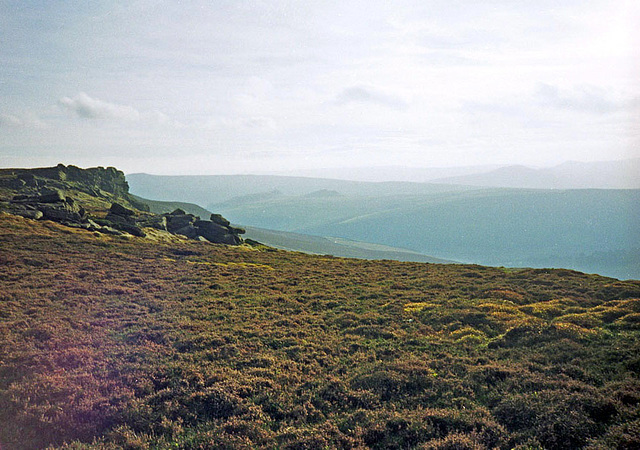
point(119, 341)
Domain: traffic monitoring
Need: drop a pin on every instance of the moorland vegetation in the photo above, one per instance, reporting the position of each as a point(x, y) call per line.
point(129, 342)
point(110, 340)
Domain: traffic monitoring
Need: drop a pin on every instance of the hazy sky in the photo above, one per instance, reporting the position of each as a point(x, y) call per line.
point(232, 86)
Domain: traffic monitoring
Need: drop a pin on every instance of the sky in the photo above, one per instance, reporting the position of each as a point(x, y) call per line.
point(212, 87)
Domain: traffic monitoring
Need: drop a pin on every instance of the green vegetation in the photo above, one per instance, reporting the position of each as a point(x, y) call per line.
point(112, 342)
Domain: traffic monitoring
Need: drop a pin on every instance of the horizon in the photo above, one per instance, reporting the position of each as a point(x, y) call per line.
point(300, 172)
point(156, 87)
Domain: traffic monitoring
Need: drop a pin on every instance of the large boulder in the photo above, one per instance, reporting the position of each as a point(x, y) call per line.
point(216, 233)
point(188, 231)
point(119, 210)
point(45, 196)
point(211, 231)
point(178, 221)
point(152, 221)
point(217, 218)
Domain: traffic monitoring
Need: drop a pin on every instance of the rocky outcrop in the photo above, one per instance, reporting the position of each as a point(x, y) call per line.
point(50, 204)
point(43, 193)
point(122, 218)
point(105, 183)
point(217, 230)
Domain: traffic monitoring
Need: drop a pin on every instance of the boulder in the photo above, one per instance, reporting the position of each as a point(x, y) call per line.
point(51, 196)
point(60, 213)
point(211, 231)
point(157, 222)
point(217, 218)
point(131, 229)
point(30, 214)
point(110, 230)
point(231, 239)
point(176, 222)
point(119, 210)
point(235, 230)
point(188, 231)
point(116, 218)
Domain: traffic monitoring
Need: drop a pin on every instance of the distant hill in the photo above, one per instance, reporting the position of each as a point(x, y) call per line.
point(215, 189)
point(388, 173)
point(592, 230)
point(304, 242)
point(570, 175)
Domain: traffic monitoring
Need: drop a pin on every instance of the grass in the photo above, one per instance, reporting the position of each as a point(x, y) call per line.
point(107, 342)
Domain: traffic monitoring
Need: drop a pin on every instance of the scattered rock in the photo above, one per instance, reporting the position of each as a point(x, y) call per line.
point(176, 222)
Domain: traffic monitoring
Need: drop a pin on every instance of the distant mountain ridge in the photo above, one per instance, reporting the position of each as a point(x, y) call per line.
point(622, 174)
point(570, 175)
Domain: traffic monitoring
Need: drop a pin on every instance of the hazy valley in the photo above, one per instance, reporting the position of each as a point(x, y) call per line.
point(592, 230)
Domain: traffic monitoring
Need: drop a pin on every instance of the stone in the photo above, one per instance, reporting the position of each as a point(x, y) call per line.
point(110, 230)
point(178, 212)
point(188, 231)
point(176, 222)
point(30, 214)
point(93, 226)
point(51, 196)
point(236, 230)
point(157, 222)
point(131, 229)
point(116, 218)
point(217, 218)
point(119, 210)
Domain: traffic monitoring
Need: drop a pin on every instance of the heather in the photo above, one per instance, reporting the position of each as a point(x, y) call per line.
point(160, 342)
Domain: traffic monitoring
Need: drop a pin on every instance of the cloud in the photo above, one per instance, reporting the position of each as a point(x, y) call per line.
point(10, 120)
point(588, 99)
point(87, 107)
point(22, 121)
point(92, 108)
point(366, 94)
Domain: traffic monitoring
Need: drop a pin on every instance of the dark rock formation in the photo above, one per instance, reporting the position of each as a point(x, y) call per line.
point(48, 204)
point(122, 219)
point(217, 230)
point(43, 193)
point(152, 221)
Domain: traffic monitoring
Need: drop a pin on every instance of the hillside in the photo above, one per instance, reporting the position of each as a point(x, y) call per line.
point(304, 242)
point(591, 230)
point(118, 342)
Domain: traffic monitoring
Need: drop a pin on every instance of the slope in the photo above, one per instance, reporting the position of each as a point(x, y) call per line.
point(303, 242)
point(108, 342)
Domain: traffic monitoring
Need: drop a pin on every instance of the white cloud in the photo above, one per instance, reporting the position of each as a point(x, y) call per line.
point(92, 108)
point(367, 94)
point(87, 107)
point(21, 121)
point(588, 99)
